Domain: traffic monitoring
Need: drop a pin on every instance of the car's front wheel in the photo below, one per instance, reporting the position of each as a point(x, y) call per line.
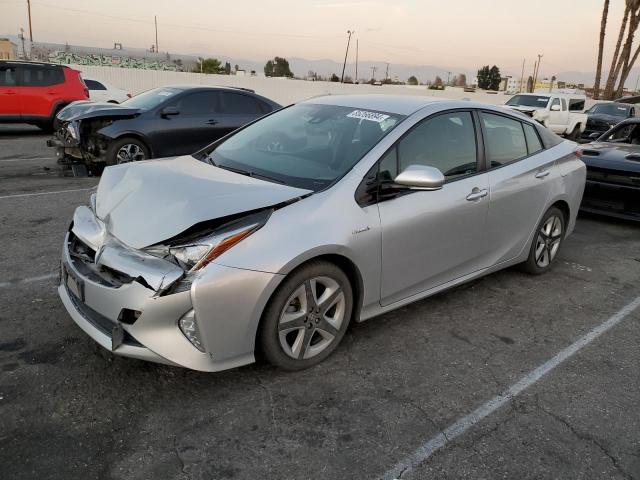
point(546, 242)
point(127, 150)
point(307, 317)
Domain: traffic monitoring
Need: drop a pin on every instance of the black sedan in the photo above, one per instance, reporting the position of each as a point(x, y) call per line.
point(603, 116)
point(613, 172)
point(162, 122)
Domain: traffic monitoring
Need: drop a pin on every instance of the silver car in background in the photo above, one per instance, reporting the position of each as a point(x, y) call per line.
point(337, 209)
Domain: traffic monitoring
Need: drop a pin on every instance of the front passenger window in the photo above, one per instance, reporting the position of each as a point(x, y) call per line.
point(446, 142)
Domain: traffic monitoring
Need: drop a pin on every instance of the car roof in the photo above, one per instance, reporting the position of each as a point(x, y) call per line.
point(207, 87)
point(552, 94)
point(28, 62)
point(396, 104)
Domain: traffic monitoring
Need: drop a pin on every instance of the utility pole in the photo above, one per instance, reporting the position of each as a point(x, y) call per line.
point(30, 29)
point(155, 17)
point(522, 76)
point(535, 77)
point(356, 79)
point(349, 32)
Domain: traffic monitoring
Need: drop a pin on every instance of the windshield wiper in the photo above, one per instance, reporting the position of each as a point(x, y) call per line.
point(249, 173)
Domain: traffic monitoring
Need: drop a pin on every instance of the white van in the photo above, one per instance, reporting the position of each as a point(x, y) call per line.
point(562, 113)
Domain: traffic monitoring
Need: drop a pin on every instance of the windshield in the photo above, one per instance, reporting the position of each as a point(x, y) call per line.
point(306, 146)
point(610, 109)
point(151, 98)
point(539, 101)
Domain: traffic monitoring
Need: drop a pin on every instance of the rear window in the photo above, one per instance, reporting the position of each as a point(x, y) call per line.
point(94, 85)
point(41, 76)
point(533, 141)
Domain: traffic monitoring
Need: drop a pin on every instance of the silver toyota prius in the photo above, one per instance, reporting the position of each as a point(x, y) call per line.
point(337, 209)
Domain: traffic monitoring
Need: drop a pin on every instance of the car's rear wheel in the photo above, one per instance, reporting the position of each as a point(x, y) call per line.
point(546, 242)
point(127, 150)
point(307, 317)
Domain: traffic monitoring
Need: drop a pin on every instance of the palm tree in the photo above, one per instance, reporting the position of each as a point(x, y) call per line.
point(603, 28)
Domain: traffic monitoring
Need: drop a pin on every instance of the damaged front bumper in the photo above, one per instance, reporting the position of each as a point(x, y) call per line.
point(131, 302)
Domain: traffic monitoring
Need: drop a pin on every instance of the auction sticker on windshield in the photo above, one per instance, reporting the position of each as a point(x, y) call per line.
point(366, 115)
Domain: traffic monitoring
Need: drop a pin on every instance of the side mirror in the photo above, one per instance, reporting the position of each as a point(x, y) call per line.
point(555, 108)
point(168, 111)
point(421, 177)
point(594, 136)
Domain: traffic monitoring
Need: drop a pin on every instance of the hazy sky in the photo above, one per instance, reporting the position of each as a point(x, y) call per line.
point(454, 33)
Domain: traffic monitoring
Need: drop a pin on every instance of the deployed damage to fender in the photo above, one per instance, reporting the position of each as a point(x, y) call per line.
point(79, 138)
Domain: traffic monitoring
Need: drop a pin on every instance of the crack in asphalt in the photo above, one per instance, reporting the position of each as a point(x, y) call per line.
point(178, 456)
point(586, 437)
point(271, 405)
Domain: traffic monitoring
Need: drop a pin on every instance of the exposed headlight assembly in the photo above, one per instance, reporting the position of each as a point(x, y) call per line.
point(72, 130)
point(195, 255)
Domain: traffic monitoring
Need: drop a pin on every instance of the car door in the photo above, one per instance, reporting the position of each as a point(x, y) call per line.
point(192, 128)
point(559, 118)
point(40, 87)
point(432, 237)
point(520, 176)
point(10, 105)
point(236, 109)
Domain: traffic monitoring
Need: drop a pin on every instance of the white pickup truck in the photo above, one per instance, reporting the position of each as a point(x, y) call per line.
point(561, 113)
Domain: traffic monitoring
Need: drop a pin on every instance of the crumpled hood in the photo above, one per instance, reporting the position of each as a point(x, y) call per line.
point(84, 109)
point(143, 203)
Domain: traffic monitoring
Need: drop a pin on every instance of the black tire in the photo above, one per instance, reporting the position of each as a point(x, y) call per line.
point(575, 134)
point(310, 325)
point(535, 264)
point(111, 157)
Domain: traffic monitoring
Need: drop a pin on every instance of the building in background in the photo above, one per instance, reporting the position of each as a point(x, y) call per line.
point(8, 49)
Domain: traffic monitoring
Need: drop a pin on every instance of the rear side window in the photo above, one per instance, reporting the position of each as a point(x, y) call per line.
point(199, 103)
point(446, 142)
point(576, 105)
point(533, 141)
point(93, 85)
point(504, 139)
point(7, 76)
point(238, 103)
point(41, 76)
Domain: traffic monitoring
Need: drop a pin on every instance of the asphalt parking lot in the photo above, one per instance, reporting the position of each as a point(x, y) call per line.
point(376, 409)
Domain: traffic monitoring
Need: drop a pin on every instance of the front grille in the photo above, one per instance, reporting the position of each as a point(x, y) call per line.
point(83, 259)
point(99, 321)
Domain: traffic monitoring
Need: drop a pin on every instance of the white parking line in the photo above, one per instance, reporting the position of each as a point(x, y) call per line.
point(406, 465)
point(24, 281)
point(25, 159)
point(46, 193)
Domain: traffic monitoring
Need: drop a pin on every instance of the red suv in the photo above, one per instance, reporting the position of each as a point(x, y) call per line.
point(33, 92)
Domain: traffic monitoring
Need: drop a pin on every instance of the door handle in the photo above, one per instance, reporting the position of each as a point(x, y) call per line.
point(477, 194)
point(542, 173)
point(212, 122)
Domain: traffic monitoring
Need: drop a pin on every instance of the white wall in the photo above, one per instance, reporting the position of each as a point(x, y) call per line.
point(283, 91)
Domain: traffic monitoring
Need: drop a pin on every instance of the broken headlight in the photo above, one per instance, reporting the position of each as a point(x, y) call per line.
point(72, 130)
point(198, 253)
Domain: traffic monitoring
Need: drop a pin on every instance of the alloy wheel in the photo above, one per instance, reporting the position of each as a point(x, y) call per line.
point(548, 241)
point(311, 318)
point(130, 152)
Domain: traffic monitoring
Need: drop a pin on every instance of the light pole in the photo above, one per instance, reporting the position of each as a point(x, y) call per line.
point(349, 32)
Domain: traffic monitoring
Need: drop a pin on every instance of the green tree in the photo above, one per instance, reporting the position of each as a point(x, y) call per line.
point(489, 78)
point(208, 65)
point(278, 67)
point(412, 80)
point(335, 78)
